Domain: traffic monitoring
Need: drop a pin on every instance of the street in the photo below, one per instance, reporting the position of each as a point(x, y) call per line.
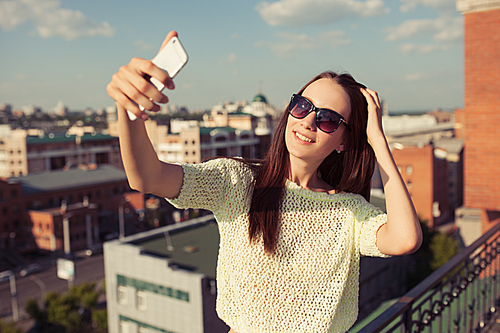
point(35, 285)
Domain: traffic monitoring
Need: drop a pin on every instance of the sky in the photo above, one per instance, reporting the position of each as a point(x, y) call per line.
point(409, 51)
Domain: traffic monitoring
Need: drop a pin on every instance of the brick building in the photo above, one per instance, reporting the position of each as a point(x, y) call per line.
point(31, 215)
point(481, 112)
point(432, 173)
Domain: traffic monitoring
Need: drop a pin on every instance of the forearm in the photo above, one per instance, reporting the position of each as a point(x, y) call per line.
point(402, 233)
point(140, 161)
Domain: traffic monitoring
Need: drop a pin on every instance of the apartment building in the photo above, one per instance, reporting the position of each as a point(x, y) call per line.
point(433, 177)
point(163, 280)
point(13, 152)
point(22, 153)
point(57, 151)
point(34, 207)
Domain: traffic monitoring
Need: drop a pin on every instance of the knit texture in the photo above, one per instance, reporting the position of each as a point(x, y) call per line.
point(311, 283)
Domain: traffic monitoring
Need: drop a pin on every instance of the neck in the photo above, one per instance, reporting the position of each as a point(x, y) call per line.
point(305, 175)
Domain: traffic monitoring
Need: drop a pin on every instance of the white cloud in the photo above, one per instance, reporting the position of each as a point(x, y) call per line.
point(440, 34)
point(416, 76)
point(290, 44)
point(442, 29)
point(441, 5)
point(409, 48)
point(20, 77)
point(303, 12)
point(142, 46)
point(231, 59)
point(50, 20)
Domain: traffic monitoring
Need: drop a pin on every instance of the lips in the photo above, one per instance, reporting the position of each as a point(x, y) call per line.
point(303, 137)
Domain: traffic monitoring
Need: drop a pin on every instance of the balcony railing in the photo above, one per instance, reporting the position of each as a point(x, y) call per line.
point(461, 296)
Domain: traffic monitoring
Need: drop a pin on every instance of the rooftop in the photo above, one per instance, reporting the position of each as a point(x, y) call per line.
point(208, 130)
point(72, 178)
point(51, 138)
point(194, 244)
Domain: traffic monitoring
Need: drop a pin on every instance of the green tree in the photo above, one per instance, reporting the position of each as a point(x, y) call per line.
point(420, 261)
point(443, 248)
point(68, 312)
point(100, 318)
point(63, 310)
point(9, 327)
point(34, 311)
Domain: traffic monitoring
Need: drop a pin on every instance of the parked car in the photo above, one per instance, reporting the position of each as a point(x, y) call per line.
point(5, 275)
point(30, 269)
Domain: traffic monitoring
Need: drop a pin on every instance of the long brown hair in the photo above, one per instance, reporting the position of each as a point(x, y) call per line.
point(349, 171)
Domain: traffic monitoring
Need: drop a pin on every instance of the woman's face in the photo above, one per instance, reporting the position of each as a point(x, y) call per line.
point(303, 139)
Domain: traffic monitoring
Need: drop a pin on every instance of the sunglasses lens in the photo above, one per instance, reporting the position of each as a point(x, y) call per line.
point(299, 107)
point(327, 121)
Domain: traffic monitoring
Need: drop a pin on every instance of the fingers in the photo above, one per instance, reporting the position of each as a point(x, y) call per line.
point(371, 97)
point(130, 87)
point(170, 35)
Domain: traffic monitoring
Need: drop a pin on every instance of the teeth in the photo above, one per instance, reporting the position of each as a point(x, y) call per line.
point(300, 136)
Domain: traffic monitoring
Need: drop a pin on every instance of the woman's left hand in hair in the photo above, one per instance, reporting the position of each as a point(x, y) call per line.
point(374, 129)
point(402, 233)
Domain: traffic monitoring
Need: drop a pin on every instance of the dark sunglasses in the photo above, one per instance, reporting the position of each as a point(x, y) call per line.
point(326, 120)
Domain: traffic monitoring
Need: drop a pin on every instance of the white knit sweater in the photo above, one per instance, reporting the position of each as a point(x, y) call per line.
point(311, 283)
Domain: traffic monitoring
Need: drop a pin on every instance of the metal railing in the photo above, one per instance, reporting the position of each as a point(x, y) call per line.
point(461, 296)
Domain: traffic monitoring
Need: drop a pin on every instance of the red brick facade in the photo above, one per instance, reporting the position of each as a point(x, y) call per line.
point(423, 174)
point(482, 113)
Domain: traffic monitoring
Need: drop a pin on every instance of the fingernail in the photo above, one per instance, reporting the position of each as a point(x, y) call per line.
point(170, 85)
point(144, 116)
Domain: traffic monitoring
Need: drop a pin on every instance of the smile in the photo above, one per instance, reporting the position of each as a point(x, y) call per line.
point(303, 138)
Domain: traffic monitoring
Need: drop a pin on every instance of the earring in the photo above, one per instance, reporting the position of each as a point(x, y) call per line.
point(338, 151)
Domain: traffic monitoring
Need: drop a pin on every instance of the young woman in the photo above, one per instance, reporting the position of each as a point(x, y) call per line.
point(292, 228)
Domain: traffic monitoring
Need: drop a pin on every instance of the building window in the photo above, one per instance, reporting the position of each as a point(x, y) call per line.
point(141, 300)
point(122, 295)
point(124, 327)
point(409, 170)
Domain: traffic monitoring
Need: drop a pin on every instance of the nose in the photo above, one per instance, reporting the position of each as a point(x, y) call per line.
point(309, 122)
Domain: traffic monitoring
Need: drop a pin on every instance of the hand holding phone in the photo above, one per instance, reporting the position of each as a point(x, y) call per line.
point(171, 59)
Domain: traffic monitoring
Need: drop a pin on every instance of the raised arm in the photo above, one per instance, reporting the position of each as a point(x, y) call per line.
point(128, 87)
point(402, 233)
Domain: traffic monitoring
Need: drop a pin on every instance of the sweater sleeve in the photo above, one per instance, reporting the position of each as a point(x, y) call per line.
point(204, 185)
point(370, 219)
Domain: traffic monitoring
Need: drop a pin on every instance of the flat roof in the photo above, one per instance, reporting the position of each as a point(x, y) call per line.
point(72, 178)
point(208, 130)
point(52, 138)
point(195, 246)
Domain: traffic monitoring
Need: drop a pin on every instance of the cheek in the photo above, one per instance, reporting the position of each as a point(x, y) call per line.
point(329, 142)
point(288, 133)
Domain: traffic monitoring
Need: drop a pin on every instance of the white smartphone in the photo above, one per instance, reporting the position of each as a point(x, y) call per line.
point(171, 58)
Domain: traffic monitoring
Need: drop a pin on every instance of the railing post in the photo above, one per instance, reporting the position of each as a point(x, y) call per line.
point(407, 319)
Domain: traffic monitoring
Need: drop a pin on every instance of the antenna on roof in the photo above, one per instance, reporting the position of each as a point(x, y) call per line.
point(170, 247)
